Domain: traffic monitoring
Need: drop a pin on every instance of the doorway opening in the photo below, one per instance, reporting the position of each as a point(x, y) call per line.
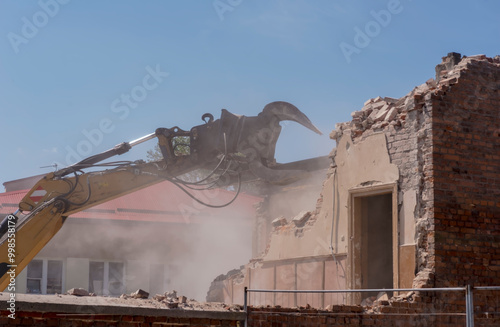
point(373, 245)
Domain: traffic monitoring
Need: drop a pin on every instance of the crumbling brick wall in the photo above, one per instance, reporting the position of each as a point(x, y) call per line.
point(466, 171)
point(444, 137)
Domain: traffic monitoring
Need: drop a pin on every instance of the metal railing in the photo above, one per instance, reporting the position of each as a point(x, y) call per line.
point(487, 307)
point(292, 298)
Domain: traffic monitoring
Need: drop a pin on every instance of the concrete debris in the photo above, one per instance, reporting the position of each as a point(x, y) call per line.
point(139, 294)
point(125, 301)
point(329, 307)
point(301, 218)
point(171, 295)
point(408, 297)
point(78, 292)
point(280, 221)
point(334, 134)
point(391, 114)
point(382, 299)
point(447, 64)
point(159, 297)
point(172, 301)
point(382, 113)
point(368, 302)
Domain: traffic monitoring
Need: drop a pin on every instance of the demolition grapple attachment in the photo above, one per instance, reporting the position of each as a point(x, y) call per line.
point(247, 142)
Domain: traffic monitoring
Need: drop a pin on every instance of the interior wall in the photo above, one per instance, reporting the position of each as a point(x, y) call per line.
point(377, 241)
point(357, 165)
point(315, 254)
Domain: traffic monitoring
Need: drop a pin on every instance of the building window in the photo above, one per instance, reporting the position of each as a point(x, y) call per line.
point(35, 273)
point(45, 277)
point(106, 278)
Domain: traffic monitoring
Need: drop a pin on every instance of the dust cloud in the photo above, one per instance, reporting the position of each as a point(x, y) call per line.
point(185, 255)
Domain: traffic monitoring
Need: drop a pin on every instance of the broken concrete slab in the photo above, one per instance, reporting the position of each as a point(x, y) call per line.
point(159, 297)
point(371, 117)
point(78, 292)
point(368, 102)
point(379, 104)
point(140, 294)
point(182, 299)
point(391, 100)
point(381, 113)
point(171, 295)
point(368, 302)
point(391, 114)
point(301, 218)
point(280, 221)
point(382, 298)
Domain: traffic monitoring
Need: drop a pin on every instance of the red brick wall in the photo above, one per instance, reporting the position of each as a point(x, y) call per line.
point(397, 314)
point(425, 311)
point(80, 320)
point(466, 172)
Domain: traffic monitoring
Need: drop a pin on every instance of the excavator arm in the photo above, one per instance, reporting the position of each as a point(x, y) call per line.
point(233, 149)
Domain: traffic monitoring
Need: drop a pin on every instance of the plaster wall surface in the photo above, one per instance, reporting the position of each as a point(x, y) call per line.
point(365, 163)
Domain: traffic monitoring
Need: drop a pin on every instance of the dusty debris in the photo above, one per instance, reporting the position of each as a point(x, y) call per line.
point(368, 302)
point(159, 297)
point(382, 299)
point(139, 294)
point(125, 301)
point(301, 218)
point(78, 292)
point(280, 221)
point(171, 295)
point(408, 297)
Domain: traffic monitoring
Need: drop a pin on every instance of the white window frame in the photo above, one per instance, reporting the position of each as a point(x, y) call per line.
point(45, 269)
point(105, 281)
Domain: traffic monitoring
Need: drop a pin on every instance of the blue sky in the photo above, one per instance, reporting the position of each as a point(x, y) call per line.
point(65, 66)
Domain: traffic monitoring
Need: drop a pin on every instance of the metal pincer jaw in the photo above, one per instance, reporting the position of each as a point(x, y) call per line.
point(249, 141)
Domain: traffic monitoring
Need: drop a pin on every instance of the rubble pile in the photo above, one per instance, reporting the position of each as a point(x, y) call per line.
point(172, 300)
point(141, 298)
point(380, 113)
point(374, 304)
